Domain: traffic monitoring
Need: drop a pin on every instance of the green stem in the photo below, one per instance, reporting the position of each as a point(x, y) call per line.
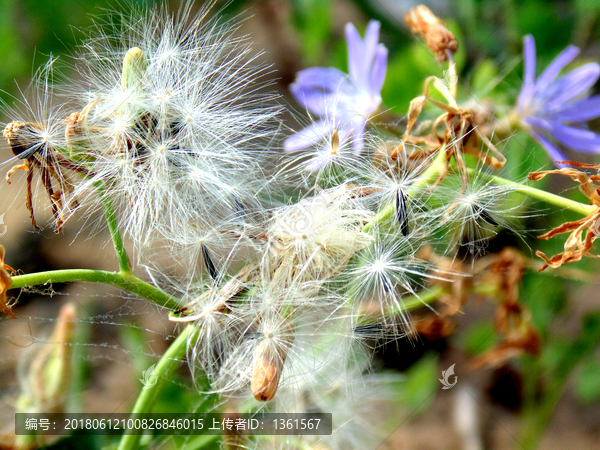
point(538, 194)
point(163, 369)
point(113, 227)
point(124, 281)
point(417, 301)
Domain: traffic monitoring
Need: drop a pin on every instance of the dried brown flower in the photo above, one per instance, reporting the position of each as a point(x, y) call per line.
point(26, 142)
point(421, 21)
point(577, 246)
point(456, 131)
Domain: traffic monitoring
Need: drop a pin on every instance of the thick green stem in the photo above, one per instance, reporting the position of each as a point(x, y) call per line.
point(163, 369)
point(538, 194)
point(124, 281)
point(113, 227)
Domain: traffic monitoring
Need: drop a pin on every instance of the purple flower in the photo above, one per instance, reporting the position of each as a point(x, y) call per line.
point(555, 110)
point(343, 102)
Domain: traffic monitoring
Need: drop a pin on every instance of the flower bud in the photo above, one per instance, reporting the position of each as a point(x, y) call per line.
point(45, 385)
point(134, 66)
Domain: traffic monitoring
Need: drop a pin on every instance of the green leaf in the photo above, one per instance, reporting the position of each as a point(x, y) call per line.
point(421, 381)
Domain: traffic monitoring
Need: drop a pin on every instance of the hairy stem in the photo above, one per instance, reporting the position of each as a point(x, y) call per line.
point(113, 227)
point(124, 281)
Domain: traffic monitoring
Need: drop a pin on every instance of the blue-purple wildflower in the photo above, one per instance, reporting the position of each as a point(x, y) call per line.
point(343, 102)
point(555, 110)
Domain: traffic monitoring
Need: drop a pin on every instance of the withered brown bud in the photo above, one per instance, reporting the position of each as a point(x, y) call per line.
point(20, 136)
point(5, 282)
point(421, 21)
point(265, 376)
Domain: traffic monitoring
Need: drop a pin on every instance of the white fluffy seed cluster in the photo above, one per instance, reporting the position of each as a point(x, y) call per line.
point(173, 124)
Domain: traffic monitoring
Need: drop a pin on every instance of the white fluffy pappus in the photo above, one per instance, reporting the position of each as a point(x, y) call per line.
point(172, 121)
point(314, 239)
point(379, 276)
point(471, 215)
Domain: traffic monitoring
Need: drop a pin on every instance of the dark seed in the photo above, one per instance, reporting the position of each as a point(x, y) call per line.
point(401, 213)
point(208, 262)
point(485, 216)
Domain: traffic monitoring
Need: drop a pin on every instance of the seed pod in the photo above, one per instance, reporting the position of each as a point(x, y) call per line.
point(21, 138)
point(485, 215)
point(208, 262)
point(269, 359)
point(265, 374)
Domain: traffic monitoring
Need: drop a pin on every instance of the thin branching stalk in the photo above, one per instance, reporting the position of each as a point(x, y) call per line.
point(124, 281)
point(538, 194)
point(113, 227)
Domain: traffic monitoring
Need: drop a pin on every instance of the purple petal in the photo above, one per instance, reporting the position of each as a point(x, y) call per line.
point(309, 135)
point(370, 48)
point(529, 75)
point(554, 153)
point(355, 52)
point(582, 110)
point(573, 85)
point(576, 138)
point(314, 88)
point(362, 53)
point(379, 69)
point(552, 71)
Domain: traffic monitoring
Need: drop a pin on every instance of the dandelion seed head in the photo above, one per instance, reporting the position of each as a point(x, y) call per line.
point(177, 95)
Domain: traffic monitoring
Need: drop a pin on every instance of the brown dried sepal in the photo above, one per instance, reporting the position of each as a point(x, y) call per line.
point(503, 270)
point(5, 283)
point(421, 21)
point(519, 339)
point(577, 246)
point(456, 131)
point(37, 154)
